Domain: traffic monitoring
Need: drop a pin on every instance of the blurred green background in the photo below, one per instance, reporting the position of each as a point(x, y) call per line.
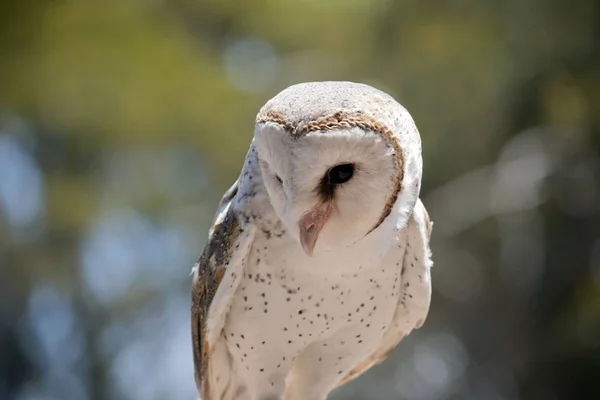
point(122, 123)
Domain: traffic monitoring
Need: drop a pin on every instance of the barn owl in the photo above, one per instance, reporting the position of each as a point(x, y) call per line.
point(318, 262)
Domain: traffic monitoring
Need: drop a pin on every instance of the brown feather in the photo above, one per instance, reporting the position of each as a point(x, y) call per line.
point(208, 274)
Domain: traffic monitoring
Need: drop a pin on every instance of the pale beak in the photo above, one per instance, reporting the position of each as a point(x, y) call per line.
point(311, 225)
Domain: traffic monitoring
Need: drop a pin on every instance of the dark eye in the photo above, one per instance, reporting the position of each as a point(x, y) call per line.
point(279, 179)
point(340, 174)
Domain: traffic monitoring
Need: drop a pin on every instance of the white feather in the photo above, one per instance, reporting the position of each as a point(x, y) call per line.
point(286, 325)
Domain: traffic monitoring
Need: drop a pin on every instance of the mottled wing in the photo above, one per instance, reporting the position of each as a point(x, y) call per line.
point(416, 290)
point(216, 276)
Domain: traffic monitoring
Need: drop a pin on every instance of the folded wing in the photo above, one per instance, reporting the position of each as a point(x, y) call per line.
point(216, 276)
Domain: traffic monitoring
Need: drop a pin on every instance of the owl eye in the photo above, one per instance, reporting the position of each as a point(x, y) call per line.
point(279, 179)
point(340, 174)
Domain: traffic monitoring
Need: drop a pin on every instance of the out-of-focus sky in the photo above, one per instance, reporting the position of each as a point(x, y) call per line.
point(122, 123)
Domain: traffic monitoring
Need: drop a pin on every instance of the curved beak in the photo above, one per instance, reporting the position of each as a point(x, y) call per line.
point(311, 224)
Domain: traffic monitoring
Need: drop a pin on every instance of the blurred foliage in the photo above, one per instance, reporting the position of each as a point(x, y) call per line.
point(122, 122)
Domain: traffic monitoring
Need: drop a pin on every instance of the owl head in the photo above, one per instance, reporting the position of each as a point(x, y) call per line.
point(337, 159)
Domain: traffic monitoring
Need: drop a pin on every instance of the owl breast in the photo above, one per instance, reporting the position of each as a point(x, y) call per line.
point(288, 301)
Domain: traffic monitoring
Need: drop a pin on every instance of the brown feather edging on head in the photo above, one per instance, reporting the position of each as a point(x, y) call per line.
point(346, 120)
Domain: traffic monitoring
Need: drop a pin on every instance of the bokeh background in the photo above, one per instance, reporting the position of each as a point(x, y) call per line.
point(122, 123)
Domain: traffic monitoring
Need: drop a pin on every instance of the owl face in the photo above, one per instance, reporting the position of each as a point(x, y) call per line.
point(327, 187)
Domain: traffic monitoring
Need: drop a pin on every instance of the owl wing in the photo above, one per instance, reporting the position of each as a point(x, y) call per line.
point(216, 276)
point(415, 296)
